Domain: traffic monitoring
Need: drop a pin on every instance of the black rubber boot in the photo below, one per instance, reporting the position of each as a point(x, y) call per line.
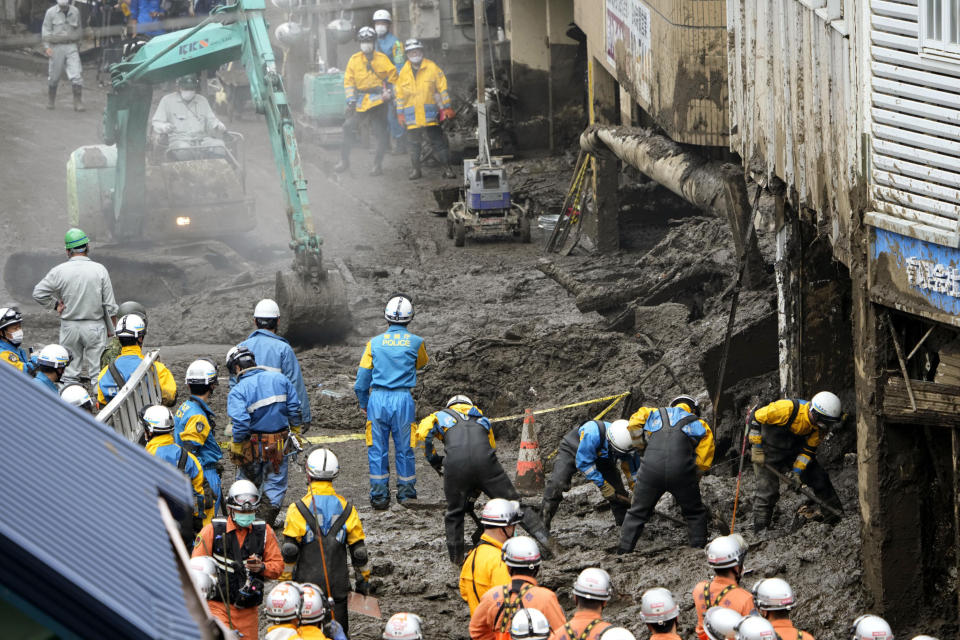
point(51, 96)
point(78, 98)
point(456, 553)
point(380, 504)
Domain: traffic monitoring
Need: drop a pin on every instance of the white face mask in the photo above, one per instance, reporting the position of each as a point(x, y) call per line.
point(366, 47)
point(381, 29)
point(16, 337)
point(187, 94)
point(415, 58)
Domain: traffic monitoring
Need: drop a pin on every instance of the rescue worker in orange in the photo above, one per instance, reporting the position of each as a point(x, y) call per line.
point(725, 555)
point(247, 554)
point(422, 104)
point(775, 599)
point(591, 591)
point(484, 567)
point(492, 618)
point(367, 81)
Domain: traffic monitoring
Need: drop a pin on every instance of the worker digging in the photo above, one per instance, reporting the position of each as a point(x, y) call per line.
point(690, 401)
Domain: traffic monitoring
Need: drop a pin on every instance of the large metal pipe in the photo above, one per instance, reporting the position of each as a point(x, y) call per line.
point(718, 188)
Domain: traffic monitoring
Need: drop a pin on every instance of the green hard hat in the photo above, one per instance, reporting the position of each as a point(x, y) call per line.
point(75, 238)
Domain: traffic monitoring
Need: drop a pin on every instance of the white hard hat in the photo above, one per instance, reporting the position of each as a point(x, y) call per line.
point(773, 594)
point(54, 356)
point(322, 464)
point(923, 637)
point(720, 623)
point(500, 513)
point(282, 603)
point(521, 551)
point(617, 633)
point(755, 628)
point(76, 395)
point(204, 572)
point(399, 310)
point(366, 33)
point(870, 627)
point(403, 626)
point(9, 316)
point(314, 606)
point(529, 624)
point(658, 606)
point(157, 419)
point(243, 496)
point(690, 401)
point(266, 309)
point(825, 408)
point(382, 14)
point(725, 552)
point(459, 399)
point(131, 326)
point(201, 371)
point(412, 44)
point(240, 355)
point(592, 583)
point(619, 438)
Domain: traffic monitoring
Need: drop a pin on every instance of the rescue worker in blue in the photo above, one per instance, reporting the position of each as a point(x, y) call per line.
point(145, 17)
point(262, 406)
point(469, 466)
point(593, 449)
point(385, 378)
point(157, 422)
point(131, 330)
point(194, 425)
point(275, 353)
point(11, 337)
point(51, 363)
point(678, 449)
point(390, 46)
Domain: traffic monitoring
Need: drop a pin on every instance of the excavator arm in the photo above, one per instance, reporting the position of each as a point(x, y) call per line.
point(313, 300)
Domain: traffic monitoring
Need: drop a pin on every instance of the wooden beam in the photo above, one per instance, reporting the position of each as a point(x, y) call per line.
point(938, 405)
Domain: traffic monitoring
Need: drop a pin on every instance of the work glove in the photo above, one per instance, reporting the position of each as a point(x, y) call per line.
point(236, 451)
point(800, 464)
point(363, 586)
point(607, 491)
point(756, 446)
point(295, 429)
point(757, 455)
point(402, 119)
point(447, 114)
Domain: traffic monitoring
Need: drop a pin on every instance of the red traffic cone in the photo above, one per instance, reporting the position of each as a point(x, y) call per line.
point(529, 467)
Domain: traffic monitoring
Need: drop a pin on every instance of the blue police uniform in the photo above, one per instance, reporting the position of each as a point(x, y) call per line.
point(263, 401)
point(163, 447)
point(140, 11)
point(17, 357)
point(390, 46)
point(45, 383)
point(385, 378)
point(193, 429)
point(593, 447)
point(275, 354)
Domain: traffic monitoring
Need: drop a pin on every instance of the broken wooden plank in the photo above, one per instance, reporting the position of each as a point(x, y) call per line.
point(937, 404)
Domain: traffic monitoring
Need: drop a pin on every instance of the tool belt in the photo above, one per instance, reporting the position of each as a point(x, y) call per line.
point(269, 447)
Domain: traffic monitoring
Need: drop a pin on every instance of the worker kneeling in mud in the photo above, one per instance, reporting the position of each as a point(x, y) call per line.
point(593, 448)
point(468, 467)
point(319, 530)
point(189, 123)
point(788, 431)
point(679, 449)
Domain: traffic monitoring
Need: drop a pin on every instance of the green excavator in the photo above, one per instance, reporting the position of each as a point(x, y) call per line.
point(312, 299)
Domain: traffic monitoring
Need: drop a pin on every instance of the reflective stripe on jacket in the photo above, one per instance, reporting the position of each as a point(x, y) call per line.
point(363, 80)
point(273, 352)
point(263, 402)
point(422, 94)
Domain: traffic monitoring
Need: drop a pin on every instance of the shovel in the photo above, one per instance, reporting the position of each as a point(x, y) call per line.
point(364, 605)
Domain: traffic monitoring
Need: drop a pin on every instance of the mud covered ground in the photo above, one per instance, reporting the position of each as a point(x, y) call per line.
point(498, 330)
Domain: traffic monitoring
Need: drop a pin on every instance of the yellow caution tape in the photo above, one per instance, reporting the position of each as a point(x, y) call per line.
point(539, 412)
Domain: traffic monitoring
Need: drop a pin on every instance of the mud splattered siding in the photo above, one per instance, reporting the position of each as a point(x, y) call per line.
point(670, 55)
point(795, 95)
point(915, 122)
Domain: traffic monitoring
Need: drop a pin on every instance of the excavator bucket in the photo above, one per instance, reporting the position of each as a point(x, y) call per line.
point(313, 312)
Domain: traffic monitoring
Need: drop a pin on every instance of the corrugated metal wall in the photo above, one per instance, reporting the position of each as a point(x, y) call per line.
point(915, 122)
point(794, 105)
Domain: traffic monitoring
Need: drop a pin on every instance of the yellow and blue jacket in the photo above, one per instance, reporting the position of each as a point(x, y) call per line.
point(363, 80)
point(648, 419)
point(422, 94)
point(16, 356)
point(127, 362)
point(437, 423)
point(778, 414)
point(193, 428)
point(163, 447)
point(390, 361)
point(390, 46)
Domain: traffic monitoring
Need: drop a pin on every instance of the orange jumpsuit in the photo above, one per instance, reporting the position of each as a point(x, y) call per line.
point(724, 592)
point(787, 631)
point(245, 620)
point(486, 617)
point(579, 622)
